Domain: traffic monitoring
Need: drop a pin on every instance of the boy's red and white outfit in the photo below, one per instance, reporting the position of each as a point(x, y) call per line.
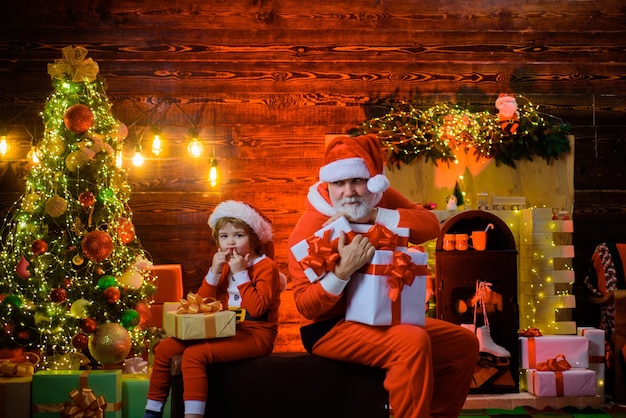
point(429, 368)
point(257, 290)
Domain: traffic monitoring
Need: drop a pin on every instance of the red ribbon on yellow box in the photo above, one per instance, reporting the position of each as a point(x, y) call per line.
point(197, 304)
point(557, 365)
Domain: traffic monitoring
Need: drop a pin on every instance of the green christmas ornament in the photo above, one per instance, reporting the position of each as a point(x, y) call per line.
point(106, 281)
point(129, 319)
point(12, 300)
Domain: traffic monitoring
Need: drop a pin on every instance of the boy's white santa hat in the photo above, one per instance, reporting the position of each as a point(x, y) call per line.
point(355, 157)
point(261, 226)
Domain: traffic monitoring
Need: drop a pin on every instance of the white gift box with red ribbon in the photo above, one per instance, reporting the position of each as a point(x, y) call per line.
point(597, 354)
point(384, 238)
point(572, 382)
point(318, 254)
point(390, 290)
point(534, 350)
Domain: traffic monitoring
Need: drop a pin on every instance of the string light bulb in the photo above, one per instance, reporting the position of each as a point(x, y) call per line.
point(213, 172)
point(4, 146)
point(156, 145)
point(138, 158)
point(33, 156)
point(195, 148)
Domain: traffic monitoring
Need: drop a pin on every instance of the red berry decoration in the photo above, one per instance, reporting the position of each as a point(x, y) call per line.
point(112, 294)
point(58, 295)
point(39, 247)
point(87, 199)
point(88, 325)
point(78, 118)
point(97, 245)
point(80, 341)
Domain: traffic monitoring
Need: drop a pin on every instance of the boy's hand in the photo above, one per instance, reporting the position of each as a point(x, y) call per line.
point(219, 259)
point(238, 262)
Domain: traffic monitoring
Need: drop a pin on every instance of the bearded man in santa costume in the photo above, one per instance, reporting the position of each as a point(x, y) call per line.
point(428, 368)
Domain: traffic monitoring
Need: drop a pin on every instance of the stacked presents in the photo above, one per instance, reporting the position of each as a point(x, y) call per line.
point(116, 392)
point(563, 365)
point(391, 289)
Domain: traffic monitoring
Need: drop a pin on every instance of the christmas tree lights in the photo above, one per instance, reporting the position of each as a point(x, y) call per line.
point(74, 274)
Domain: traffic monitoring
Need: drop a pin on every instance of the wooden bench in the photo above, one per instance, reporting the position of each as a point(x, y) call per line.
point(288, 385)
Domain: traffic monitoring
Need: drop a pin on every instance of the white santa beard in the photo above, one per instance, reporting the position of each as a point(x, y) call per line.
point(355, 212)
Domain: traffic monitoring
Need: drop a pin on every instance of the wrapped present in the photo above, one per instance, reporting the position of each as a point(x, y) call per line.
point(389, 290)
point(317, 254)
point(77, 393)
point(383, 238)
point(196, 318)
point(597, 354)
point(15, 396)
point(534, 350)
point(23, 365)
point(169, 282)
point(571, 382)
point(134, 395)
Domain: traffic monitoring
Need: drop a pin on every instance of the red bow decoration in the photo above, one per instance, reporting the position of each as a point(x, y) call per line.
point(529, 332)
point(323, 254)
point(197, 304)
point(554, 364)
point(382, 238)
point(84, 404)
point(402, 271)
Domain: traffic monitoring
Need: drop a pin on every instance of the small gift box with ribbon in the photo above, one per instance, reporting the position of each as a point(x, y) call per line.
point(534, 350)
point(197, 318)
point(77, 393)
point(383, 238)
point(556, 378)
point(597, 354)
point(317, 254)
point(23, 365)
point(389, 290)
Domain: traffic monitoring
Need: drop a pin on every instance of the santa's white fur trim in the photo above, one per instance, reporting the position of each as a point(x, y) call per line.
point(348, 168)
point(377, 184)
point(239, 210)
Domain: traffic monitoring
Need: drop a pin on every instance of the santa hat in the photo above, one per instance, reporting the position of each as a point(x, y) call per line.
point(355, 157)
point(261, 226)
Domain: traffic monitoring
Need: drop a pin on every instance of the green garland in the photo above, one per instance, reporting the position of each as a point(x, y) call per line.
point(440, 132)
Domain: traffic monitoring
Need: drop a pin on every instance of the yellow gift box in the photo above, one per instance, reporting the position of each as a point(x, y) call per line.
point(197, 326)
point(15, 396)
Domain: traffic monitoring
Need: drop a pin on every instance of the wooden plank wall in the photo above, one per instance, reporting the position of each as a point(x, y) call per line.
point(265, 80)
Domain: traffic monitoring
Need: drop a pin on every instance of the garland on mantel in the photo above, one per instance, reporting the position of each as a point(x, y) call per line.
point(439, 133)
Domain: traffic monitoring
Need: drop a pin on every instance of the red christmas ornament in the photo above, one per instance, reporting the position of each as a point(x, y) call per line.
point(86, 199)
point(145, 314)
point(58, 295)
point(39, 247)
point(78, 118)
point(112, 294)
point(88, 325)
point(22, 268)
point(80, 341)
point(125, 230)
point(97, 245)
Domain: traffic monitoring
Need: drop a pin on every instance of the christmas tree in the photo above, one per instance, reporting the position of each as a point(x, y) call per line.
point(74, 277)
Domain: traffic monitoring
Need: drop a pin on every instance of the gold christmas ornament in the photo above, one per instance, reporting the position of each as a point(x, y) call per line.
point(56, 206)
point(30, 201)
point(110, 344)
point(131, 279)
point(75, 160)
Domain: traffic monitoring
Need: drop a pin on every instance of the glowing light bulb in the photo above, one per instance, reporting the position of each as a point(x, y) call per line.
point(213, 173)
point(4, 147)
point(119, 160)
point(33, 156)
point(195, 148)
point(156, 145)
point(138, 159)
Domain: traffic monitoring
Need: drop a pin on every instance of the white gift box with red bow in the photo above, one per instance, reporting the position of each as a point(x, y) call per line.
point(390, 290)
point(572, 382)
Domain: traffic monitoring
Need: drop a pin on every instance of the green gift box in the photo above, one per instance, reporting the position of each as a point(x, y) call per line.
point(54, 390)
point(135, 395)
point(15, 397)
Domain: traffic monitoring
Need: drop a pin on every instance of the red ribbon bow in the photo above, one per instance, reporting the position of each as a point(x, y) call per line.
point(323, 254)
point(402, 271)
point(554, 364)
point(529, 332)
point(382, 238)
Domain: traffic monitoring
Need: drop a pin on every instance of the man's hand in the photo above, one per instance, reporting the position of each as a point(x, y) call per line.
point(352, 256)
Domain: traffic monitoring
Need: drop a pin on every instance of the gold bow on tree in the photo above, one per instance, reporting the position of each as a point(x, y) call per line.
point(74, 66)
point(197, 304)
